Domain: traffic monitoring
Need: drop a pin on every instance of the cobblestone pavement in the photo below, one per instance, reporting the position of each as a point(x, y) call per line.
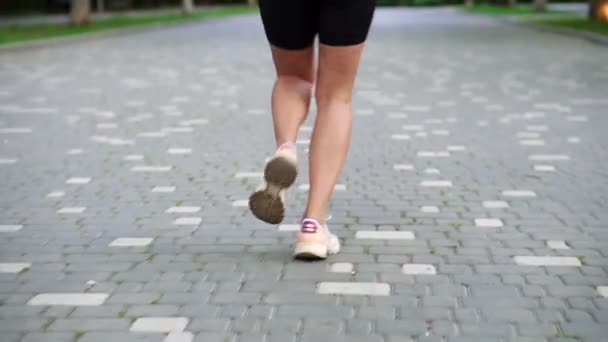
point(472, 207)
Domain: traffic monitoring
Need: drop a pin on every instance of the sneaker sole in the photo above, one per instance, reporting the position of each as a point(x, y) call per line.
point(310, 251)
point(267, 204)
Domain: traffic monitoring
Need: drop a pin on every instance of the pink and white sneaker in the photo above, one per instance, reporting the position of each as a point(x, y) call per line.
point(268, 202)
point(315, 241)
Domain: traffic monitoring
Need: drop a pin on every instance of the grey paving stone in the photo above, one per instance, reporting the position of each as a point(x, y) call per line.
point(94, 324)
point(48, 337)
point(118, 336)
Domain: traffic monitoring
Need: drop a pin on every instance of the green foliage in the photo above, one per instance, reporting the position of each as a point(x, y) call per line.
point(576, 23)
point(32, 32)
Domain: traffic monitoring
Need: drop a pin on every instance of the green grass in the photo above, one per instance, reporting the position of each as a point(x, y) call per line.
point(577, 23)
point(507, 11)
point(32, 32)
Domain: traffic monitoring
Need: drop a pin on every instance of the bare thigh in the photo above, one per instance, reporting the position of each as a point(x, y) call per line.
point(294, 63)
point(338, 67)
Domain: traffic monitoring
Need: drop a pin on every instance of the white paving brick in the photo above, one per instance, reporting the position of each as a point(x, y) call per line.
point(574, 140)
point(194, 122)
point(433, 154)
point(557, 244)
point(422, 134)
point(546, 261)
point(518, 193)
point(403, 167)
point(240, 175)
point(456, 148)
point(341, 267)
point(384, 235)
point(68, 299)
point(430, 209)
point(532, 142)
point(9, 228)
point(488, 222)
point(71, 210)
point(162, 188)
point(152, 134)
point(337, 187)
point(436, 183)
point(400, 137)
point(418, 269)
point(186, 129)
point(151, 168)
point(528, 135)
point(397, 115)
point(548, 157)
point(577, 118)
point(75, 151)
point(303, 142)
point(14, 267)
point(412, 127)
point(188, 221)
point(241, 203)
point(106, 125)
point(306, 129)
point(603, 291)
point(183, 210)
point(440, 132)
point(289, 227)
point(15, 130)
point(544, 168)
point(133, 157)
point(179, 151)
point(78, 180)
point(131, 242)
point(537, 128)
point(363, 289)
point(495, 204)
point(159, 324)
point(431, 171)
point(55, 194)
point(184, 336)
point(7, 161)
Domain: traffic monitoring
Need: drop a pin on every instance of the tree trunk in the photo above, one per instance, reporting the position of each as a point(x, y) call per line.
point(469, 3)
point(540, 5)
point(187, 6)
point(80, 12)
point(100, 6)
point(512, 3)
point(252, 3)
point(598, 10)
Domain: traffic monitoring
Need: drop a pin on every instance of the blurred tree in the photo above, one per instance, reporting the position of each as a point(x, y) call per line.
point(252, 3)
point(187, 6)
point(598, 10)
point(469, 3)
point(540, 5)
point(80, 12)
point(100, 6)
point(512, 3)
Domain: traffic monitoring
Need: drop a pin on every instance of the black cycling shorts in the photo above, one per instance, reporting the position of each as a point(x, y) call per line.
point(293, 24)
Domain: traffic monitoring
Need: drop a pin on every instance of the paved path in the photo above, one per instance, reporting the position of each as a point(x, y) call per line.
point(473, 206)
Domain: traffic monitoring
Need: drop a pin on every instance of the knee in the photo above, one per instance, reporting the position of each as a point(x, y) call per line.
point(331, 97)
point(295, 84)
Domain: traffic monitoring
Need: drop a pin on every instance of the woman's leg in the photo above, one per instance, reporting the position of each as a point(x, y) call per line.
point(331, 136)
point(292, 91)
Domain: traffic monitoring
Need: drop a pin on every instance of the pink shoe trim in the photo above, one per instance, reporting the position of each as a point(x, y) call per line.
point(309, 226)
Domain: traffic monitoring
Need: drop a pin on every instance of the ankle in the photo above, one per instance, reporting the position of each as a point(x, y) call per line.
point(286, 145)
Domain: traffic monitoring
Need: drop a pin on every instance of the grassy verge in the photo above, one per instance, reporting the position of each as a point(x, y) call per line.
point(33, 32)
point(507, 11)
point(582, 24)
